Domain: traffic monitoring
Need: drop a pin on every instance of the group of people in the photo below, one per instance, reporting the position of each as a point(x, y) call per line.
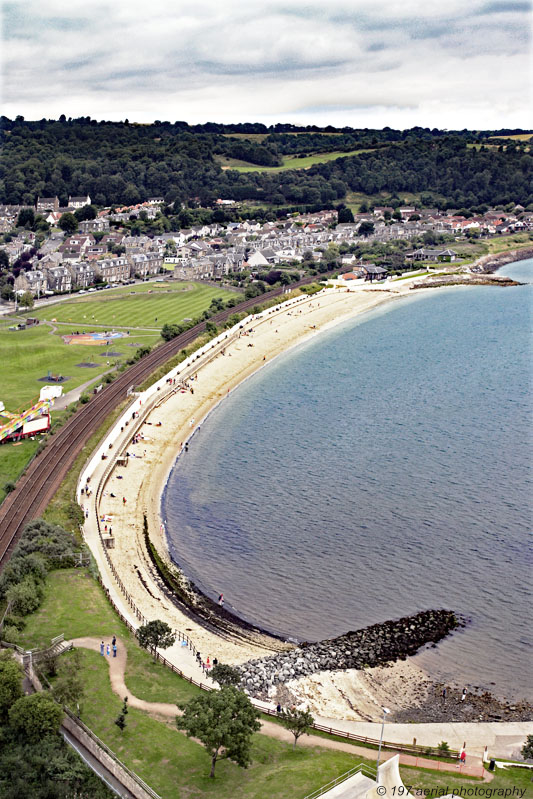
point(107, 649)
point(207, 665)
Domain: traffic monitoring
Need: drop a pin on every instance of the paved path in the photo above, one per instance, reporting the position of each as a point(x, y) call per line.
point(117, 667)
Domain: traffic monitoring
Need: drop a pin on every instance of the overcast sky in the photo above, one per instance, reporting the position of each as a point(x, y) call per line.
point(364, 63)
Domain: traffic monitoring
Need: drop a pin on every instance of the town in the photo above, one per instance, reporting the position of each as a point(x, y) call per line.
point(51, 249)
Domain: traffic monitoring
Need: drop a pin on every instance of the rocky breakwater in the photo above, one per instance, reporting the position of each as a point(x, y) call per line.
point(371, 646)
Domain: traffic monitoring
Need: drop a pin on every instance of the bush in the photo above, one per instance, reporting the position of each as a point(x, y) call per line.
point(10, 634)
point(9, 486)
point(84, 399)
point(443, 749)
point(25, 597)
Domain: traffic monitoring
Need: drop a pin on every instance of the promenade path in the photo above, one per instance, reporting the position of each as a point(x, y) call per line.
point(117, 667)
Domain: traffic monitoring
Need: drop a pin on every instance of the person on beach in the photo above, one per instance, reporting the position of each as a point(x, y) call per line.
point(463, 695)
point(102, 648)
point(123, 500)
point(221, 600)
point(444, 693)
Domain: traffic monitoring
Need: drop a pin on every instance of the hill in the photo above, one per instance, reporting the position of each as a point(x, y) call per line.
point(123, 163)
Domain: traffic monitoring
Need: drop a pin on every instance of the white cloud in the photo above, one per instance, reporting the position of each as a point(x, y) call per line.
point(396, 63)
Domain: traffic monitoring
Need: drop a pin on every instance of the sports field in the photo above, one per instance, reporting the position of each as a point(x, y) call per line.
point(148, 306)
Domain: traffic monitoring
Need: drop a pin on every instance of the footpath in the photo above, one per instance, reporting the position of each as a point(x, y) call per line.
point(473, 767)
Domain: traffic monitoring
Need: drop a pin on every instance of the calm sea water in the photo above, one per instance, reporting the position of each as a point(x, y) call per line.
point(380, 469)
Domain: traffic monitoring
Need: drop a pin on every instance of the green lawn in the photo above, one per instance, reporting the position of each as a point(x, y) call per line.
point(142, 306)
point(13, 459)
point(30, 354)
point(177, 767)
point(75, 605)
point(289, 162)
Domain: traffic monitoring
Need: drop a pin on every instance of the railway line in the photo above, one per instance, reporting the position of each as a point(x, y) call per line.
point(45, 473)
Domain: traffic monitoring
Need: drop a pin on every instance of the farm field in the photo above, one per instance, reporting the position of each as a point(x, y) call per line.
point(515, 136)
point(290, 162)
point(147, 306)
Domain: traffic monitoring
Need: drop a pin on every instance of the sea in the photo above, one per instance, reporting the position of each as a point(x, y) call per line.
point(379, 469)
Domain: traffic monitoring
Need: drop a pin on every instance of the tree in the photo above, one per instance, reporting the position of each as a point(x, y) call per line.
point(365, 228)
point(527, 749)
point(155, 635)
point(26, 301)
point(68, 223)
point(85, 212)
point(224, 721)
point(10, 684)
point(296, 721)
point(26, 218)
point(120, 720)
point(32, 717)
point(345, 215)
point(225, 675)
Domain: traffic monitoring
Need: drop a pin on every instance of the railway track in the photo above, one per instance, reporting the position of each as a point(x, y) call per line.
point(44, 475)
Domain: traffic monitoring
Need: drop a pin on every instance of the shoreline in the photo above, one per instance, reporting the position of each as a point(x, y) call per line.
point(164, 434)
point(239, 640)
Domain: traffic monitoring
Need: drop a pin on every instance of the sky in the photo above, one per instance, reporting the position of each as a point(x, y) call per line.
point(364, 63)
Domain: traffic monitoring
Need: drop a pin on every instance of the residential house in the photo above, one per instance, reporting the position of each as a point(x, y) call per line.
point(114, 270)
point(34, 281)
point(78, 202)
point(47, 204)
point(149, 263)
point(424, 254)
point(59, 278)
point(82, 274)
point(94, 225)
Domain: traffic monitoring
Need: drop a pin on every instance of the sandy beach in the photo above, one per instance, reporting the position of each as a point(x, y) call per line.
point(162, 438)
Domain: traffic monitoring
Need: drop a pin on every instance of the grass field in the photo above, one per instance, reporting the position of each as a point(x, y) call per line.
point(289, 162)
point(30, 354)
point(147, 306)
point(13, 459)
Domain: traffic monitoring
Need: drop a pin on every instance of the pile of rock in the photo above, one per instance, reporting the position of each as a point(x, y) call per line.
point(372, 646)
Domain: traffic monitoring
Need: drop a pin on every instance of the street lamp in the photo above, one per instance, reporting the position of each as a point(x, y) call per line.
point(385, 711)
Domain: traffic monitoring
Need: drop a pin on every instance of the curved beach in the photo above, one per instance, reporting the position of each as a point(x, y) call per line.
point(162, 437)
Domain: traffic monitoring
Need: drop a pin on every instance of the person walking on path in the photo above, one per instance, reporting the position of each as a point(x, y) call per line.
point(102, 648)
point(114, 650)
point(107, 650)
point(114, 641)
